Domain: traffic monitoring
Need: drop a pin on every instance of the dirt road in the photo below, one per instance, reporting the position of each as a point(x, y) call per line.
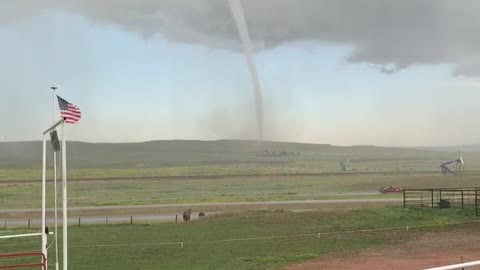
point(432, 249)
point(219, 204)
point(169, 209)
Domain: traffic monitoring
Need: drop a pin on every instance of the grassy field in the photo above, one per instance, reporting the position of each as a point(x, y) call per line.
point(22, 160)
point(162, 153)
point(138, 192)
point(249, 240)
point(261, 168)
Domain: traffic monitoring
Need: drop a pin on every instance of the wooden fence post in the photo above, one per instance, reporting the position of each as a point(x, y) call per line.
point(462, 199)
point(476, 202)
point(432, 198)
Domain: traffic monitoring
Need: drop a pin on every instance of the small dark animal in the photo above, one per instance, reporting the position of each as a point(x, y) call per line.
point(201, 214)
point(186, 215)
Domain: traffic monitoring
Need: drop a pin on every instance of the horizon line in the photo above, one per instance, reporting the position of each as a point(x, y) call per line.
point(253, 141)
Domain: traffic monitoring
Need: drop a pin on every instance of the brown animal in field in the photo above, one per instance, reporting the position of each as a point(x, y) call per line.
point(186, 215)
point(201, 214)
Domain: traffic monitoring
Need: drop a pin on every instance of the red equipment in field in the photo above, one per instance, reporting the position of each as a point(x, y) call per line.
point(390, 189)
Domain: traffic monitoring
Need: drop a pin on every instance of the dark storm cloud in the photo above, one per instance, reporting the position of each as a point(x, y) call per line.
point(389, 34)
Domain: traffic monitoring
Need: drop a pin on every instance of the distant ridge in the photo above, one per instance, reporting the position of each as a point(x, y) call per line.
point(195, 152)
point(458, 148)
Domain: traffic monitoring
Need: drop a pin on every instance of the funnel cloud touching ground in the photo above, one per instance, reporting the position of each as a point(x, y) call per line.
point(341, 72)
point(239, 16)
point(388, 34)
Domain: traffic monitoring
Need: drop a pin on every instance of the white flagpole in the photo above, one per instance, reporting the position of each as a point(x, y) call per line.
point(54, 88)
point(64, 182)
point(44, 188)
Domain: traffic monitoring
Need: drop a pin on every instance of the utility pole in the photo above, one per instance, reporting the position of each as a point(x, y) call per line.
point(397, 167)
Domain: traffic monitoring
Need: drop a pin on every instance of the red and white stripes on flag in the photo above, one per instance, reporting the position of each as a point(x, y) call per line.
point(70, 112)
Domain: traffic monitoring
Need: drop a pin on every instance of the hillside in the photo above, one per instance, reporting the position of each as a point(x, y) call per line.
point(180, 153)
point(457, 148)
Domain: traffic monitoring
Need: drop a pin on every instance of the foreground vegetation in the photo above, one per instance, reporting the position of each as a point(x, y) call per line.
point(138, 192)
point(249, 240)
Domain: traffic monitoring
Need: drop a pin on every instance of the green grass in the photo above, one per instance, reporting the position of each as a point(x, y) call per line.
point(165, 171)
point(290, 167)
point(226, 190)
point(244, 240)
point(22, 160)
point(144, 246)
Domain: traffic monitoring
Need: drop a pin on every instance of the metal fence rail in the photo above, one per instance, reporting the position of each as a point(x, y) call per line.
point(35, 222)
point(460, 198)
point(42, 263)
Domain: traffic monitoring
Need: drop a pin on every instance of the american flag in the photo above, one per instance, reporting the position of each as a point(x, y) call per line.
point(70, 112)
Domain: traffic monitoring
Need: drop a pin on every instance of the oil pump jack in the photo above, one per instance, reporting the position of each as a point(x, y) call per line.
point(459, 166)
point(345, 165)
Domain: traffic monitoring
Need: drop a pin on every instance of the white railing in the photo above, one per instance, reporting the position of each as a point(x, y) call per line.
point(21, 235)
point(456, 266)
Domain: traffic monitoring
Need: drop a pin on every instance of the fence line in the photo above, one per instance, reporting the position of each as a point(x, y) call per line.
point(460, 198)
point(317, 236)
point(130, 219)
point(35, 223)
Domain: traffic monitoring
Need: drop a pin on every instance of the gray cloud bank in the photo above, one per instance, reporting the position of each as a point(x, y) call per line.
point(388, 34)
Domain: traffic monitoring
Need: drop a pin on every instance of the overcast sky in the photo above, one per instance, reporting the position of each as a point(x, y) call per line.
point(382, 72)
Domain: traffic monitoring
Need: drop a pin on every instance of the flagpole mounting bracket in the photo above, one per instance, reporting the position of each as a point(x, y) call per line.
point(55, 125)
